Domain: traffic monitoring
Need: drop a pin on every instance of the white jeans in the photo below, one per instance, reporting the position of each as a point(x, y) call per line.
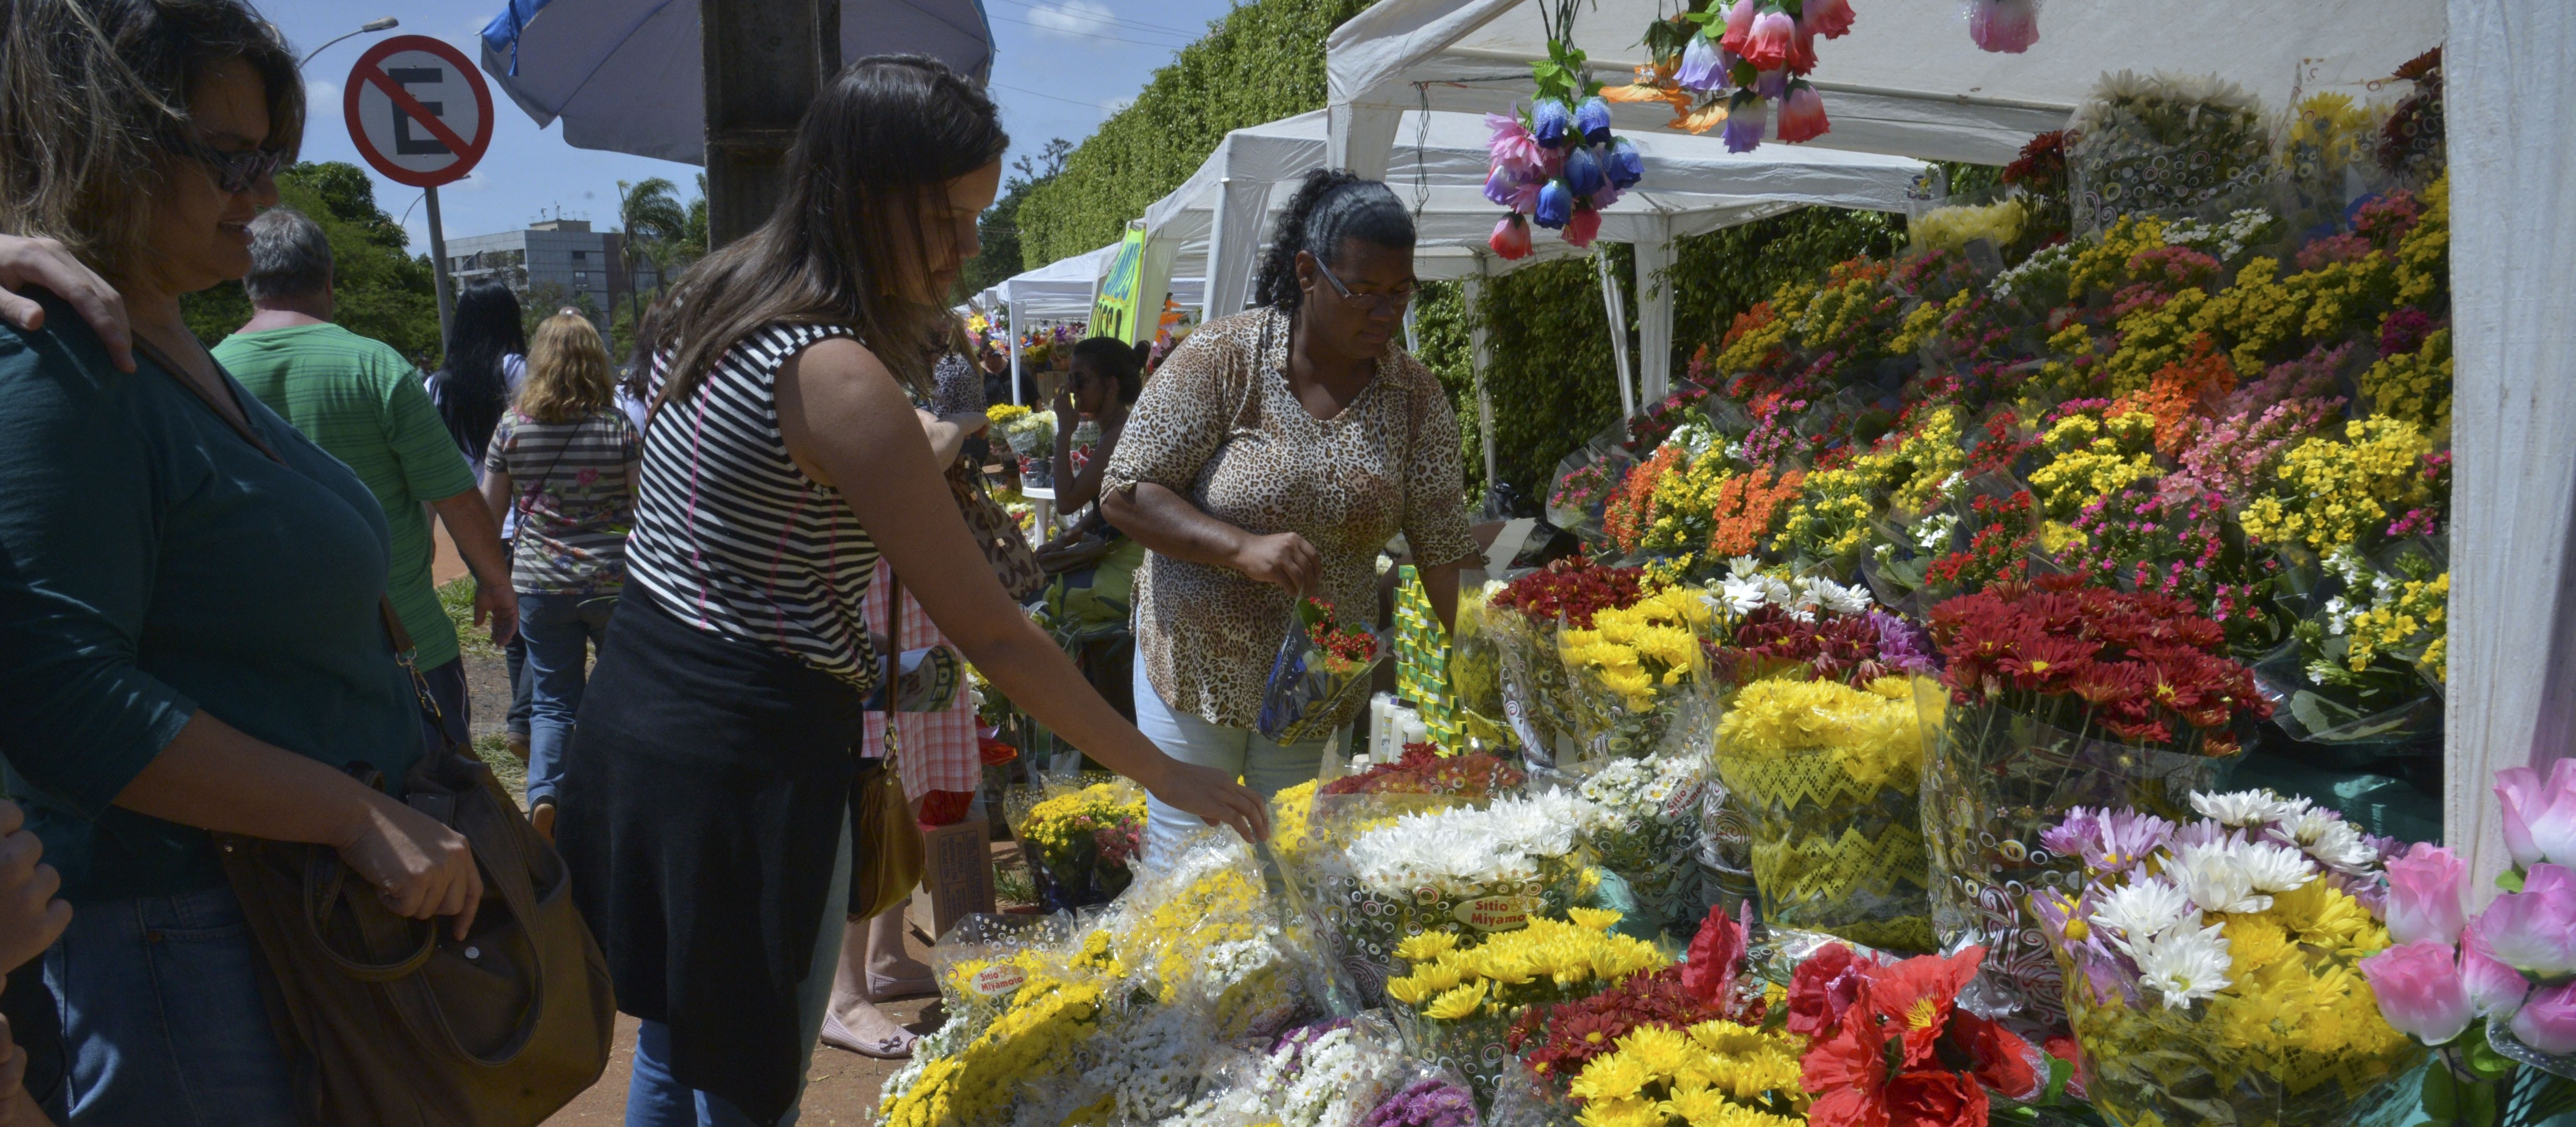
point(1243, 753)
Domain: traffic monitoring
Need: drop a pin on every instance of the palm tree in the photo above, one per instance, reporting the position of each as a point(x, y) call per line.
point(651, 213)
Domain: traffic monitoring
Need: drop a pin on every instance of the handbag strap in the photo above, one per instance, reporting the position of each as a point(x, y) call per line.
point(893, 660)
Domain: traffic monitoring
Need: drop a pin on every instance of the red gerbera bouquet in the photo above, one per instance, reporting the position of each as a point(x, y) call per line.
point(1892, 1048)
point(1423, 770)
point(2143, 667)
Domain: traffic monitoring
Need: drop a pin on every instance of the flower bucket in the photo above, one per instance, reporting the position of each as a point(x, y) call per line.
point(1829, 776)
point(1993, 780)
point(2150, 1066)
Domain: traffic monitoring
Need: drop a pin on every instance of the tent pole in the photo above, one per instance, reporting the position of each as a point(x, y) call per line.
point(1479, 357)
point(1015, 352)
point(1617, 307)
point(1654, 316)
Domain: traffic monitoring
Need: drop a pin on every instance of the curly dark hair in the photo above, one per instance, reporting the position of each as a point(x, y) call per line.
point(1331, 206)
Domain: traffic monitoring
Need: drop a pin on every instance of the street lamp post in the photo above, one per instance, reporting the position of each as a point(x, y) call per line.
point(387, 23)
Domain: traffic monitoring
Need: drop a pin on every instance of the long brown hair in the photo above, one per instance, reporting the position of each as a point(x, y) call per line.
point(865, 186)
point(93, 97)
point(567, 378)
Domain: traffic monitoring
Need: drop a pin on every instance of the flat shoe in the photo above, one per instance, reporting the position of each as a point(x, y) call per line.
point(896, 1047)
point(896, 989)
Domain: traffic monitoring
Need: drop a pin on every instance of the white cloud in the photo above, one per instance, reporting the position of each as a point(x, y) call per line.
point(1075, 18)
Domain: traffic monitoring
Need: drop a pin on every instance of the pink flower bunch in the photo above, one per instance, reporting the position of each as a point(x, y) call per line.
point(2515, 962)
point(1557, 169)
point(2008, 26)
point(1757, 53)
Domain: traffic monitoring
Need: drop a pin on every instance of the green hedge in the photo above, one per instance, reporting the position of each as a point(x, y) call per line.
point(1262, 62)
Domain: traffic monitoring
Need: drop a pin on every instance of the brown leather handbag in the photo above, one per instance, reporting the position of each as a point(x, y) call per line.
point(395, 1021)
point(885, 840)
point(1005, 547)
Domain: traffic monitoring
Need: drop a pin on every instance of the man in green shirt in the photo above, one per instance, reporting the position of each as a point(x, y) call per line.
point(362, 402)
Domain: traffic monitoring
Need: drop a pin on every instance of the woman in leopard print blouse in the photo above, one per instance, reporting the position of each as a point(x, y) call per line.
point(1272, 456)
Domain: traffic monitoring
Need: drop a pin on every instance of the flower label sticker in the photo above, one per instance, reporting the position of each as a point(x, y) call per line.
point(997, 980)
point(1495, 913)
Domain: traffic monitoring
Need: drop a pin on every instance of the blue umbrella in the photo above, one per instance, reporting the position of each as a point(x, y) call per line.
point(625, 76)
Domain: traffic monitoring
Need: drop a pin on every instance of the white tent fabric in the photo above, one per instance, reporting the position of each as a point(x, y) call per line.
point(1906, 79)
point(1062, 290)
point(1692, 185)
point(2513, 287)
point(626, 75)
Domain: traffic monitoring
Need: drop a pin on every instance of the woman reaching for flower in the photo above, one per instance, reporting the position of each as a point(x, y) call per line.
point(1272, 456)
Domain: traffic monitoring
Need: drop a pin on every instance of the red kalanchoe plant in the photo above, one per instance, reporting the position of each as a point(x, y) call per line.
point(2145, 668)
point(1901, 1053)
point(1423, 770)
point(1572, 589)
point(1340, 645)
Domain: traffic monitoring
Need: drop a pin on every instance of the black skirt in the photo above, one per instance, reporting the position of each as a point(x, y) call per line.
point(700, 808)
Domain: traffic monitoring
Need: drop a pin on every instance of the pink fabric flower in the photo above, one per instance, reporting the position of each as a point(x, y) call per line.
point(1584, 227)
point(1739, 25)
point(2419, 991)
point(2495, 990)
point(2008, 26)
point(1513, 149)
point(1802, 115)
point(2535, 929)
point(1828, 18)
point(2539, 821)
point(2548, 1021)
point(1767, 47)
point(2424, 896)
point(1511, 237)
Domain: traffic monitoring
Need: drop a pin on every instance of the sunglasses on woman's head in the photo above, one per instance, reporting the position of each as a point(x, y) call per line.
point(234, 172)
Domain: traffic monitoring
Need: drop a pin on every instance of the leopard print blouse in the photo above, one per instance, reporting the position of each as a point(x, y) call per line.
point(1222, 428)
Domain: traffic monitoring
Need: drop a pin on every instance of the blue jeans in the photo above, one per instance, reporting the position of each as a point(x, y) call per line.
point(654, 1099)
point(515, 657)
point(162, 1019)
point(560, 630)
point(1243, 753)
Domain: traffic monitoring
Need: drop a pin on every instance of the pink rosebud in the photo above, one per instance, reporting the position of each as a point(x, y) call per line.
point(1802, 114)
point(2535, 929)
point(2548, 1021)
point(2514, 788)
point(1772, 39)
point(1828, 18)
point(2008, 26)
point(2546, 814)
point(2419, 991)
point(2495, 990)
point(1739, 25)
point(1584, 227)
point(2424, 896)
point(1511, 238)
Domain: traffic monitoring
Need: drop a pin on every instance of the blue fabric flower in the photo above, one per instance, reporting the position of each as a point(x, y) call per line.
point(1583, 171)
point(1594, 120)
point(1551, 123)
point(1555, 206)
point(1624, 166)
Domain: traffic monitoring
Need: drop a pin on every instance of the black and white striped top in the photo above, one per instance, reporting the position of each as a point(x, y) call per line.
point(732, 536)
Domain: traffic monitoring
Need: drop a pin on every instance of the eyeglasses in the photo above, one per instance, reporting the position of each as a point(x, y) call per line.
point(234, 172)
point(1383, 303)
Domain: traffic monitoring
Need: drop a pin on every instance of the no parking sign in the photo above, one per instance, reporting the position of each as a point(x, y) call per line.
point(418, 111)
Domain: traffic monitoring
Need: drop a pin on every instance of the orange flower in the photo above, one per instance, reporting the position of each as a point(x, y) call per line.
point(1709, 117)
point(1747, 505)
point(2182, 393)
point(1631, 508)
point(1915, 996)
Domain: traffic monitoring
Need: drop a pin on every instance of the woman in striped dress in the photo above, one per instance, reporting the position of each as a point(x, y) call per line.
point(705, 802)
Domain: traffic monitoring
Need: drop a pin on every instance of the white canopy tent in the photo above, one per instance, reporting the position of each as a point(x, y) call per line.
point(1906, 80)
point(1692, 186)
point(1061, 290)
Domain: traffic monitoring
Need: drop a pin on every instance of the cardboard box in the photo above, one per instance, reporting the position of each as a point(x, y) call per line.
point(956, 877)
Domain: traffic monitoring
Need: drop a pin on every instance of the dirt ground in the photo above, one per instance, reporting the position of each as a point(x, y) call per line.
point(840, 1089)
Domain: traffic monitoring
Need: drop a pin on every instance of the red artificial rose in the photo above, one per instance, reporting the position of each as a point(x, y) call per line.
point(1716, 953)
point(1822, 987)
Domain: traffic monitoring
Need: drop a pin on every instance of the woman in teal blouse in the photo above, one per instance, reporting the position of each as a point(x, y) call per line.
point(189, 629)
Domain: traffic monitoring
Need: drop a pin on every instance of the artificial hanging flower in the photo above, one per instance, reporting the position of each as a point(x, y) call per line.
point(1555, 206)
point(1501, 186)
point(1739, 26)
point(1583, 172)
point(1802, 114)
point(1582, 227)
point(2007, 26)
point(1592, 119)
point(1702, 68)
point(1771, 40)
point(1624, 166)
point(1747, 118)
point(1513, 149)
point(1551, 123)
point(1828, 18)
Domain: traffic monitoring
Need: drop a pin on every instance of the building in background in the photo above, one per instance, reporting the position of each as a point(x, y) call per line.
point(553, 263)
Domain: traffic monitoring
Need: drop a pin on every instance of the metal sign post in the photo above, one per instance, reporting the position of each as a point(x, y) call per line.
point(419, 112)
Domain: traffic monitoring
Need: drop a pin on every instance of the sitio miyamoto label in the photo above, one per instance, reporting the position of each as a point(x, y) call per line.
point(1495, 913)
point(995, 981)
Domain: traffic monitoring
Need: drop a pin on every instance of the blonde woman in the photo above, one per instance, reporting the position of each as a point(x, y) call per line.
point(563, 460)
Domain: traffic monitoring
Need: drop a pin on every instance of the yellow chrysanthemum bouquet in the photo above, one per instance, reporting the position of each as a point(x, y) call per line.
point(1017, 1009)
point(1831, 775)
point(2211, 967)
point(1640, 682)
point(1713, 1074)
point(1078, 839)
point(1461, 991)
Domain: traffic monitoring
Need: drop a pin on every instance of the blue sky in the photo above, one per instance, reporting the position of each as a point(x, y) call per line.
point(1061, 67)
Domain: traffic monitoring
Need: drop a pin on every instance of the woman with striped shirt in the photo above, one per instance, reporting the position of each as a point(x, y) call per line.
point(562, 462)
point(705, 802)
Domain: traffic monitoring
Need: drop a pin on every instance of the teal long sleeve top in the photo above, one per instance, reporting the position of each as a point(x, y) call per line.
point(153, 564)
